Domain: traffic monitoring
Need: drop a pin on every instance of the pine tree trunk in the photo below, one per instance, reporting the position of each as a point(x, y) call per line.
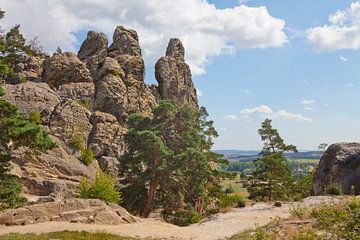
point(153, 186)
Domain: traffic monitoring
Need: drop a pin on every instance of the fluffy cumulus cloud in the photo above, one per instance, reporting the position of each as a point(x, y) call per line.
point(342, 32)
point(265, 111)
point(205, 30)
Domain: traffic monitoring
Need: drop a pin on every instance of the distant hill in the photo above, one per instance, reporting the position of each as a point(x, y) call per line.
point(249, 155)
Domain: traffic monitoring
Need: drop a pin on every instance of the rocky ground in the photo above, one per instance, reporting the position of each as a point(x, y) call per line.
point(220, 226)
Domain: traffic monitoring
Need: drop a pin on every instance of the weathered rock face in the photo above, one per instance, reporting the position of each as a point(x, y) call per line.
point(31, 67)
point(69, 210)
point(106, 137)
point(32, 97)
point(68, 119)
point(66, 68)
point(55, 173)
point(93, 51)
point(120, 87)
point(340, 164)
point(174, 76)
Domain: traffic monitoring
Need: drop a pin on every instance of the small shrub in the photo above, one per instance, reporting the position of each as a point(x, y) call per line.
point(186, 216)
point(103, 187)
point(116, 72)
point(229, 190)
point(10, 190)
point(309, 234)
point(78, 141)
point(35, 117)
point(333, 189)
point(232, 200)
point(298, 211)
point(85, 103)
point(87, 156)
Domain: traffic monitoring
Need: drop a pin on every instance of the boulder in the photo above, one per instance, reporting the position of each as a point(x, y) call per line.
point(106, 137)
point(174, 76)
point(69, 210)
point(340, 164)
point(66, 68)
point(93, 51)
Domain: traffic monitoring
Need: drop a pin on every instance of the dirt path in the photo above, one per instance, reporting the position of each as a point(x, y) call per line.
point(220, 226)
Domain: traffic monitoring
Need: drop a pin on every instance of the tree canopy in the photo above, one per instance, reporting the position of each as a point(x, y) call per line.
point(168, 162)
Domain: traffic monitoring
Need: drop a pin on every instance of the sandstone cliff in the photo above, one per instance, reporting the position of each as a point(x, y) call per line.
point(91, 94)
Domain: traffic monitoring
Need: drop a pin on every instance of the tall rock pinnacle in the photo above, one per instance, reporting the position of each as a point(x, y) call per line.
point(174, 76)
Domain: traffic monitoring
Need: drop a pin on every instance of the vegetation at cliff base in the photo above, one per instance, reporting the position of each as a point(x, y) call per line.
point(102, 187)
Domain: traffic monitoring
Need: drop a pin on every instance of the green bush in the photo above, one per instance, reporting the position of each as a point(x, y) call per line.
point(116, 72)
point(309, 234)
point(87, 156)
point(35, 117)
point(85, 103)
point(10, 190)
point(341, 220)
point(298, 211)
point(232, 200)
point(78, 141)
point(103, 187)
point(185, 217)
point(333, 189)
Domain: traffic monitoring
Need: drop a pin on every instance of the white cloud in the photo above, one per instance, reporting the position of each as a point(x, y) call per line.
point(231, 118)
point(205, 30)
point(307, 102)
point(265, 111)
point(349, 85)
point(342, 32)
point(310, 109)
point(199, 93)
point(343, 59)
point(248, 91)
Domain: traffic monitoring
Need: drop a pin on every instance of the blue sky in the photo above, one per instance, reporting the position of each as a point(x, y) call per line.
point(296, 62)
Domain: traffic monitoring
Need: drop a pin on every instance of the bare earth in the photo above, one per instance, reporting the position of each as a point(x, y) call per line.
point(221, 226)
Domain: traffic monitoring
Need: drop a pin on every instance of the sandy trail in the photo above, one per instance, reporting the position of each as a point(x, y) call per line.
point(221, 226)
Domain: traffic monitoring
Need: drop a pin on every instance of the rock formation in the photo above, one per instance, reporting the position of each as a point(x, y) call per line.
point(340, 164)
point(69, 210)
point(174, 76)
point(111, 81)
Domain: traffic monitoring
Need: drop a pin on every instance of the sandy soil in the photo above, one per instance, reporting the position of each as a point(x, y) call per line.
point(221, 226)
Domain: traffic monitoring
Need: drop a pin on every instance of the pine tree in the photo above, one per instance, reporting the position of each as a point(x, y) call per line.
point(15, 130)
point(168, 160)
point(271, 178)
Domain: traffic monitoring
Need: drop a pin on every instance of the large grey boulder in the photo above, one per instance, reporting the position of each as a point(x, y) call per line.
point(68, 210)
point(340, 164)
point(174, 76)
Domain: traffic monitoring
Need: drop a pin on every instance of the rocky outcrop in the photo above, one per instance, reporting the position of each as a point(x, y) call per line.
point(55, 173)
point(120, 88)
point(93, 51)
point(31, 67)
point(107, 136)
point(174, 76)
point(32, 97)
point(69, 210)
point(68, 119)
point(92, 95)
point(340, 164)
point(65, 68)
